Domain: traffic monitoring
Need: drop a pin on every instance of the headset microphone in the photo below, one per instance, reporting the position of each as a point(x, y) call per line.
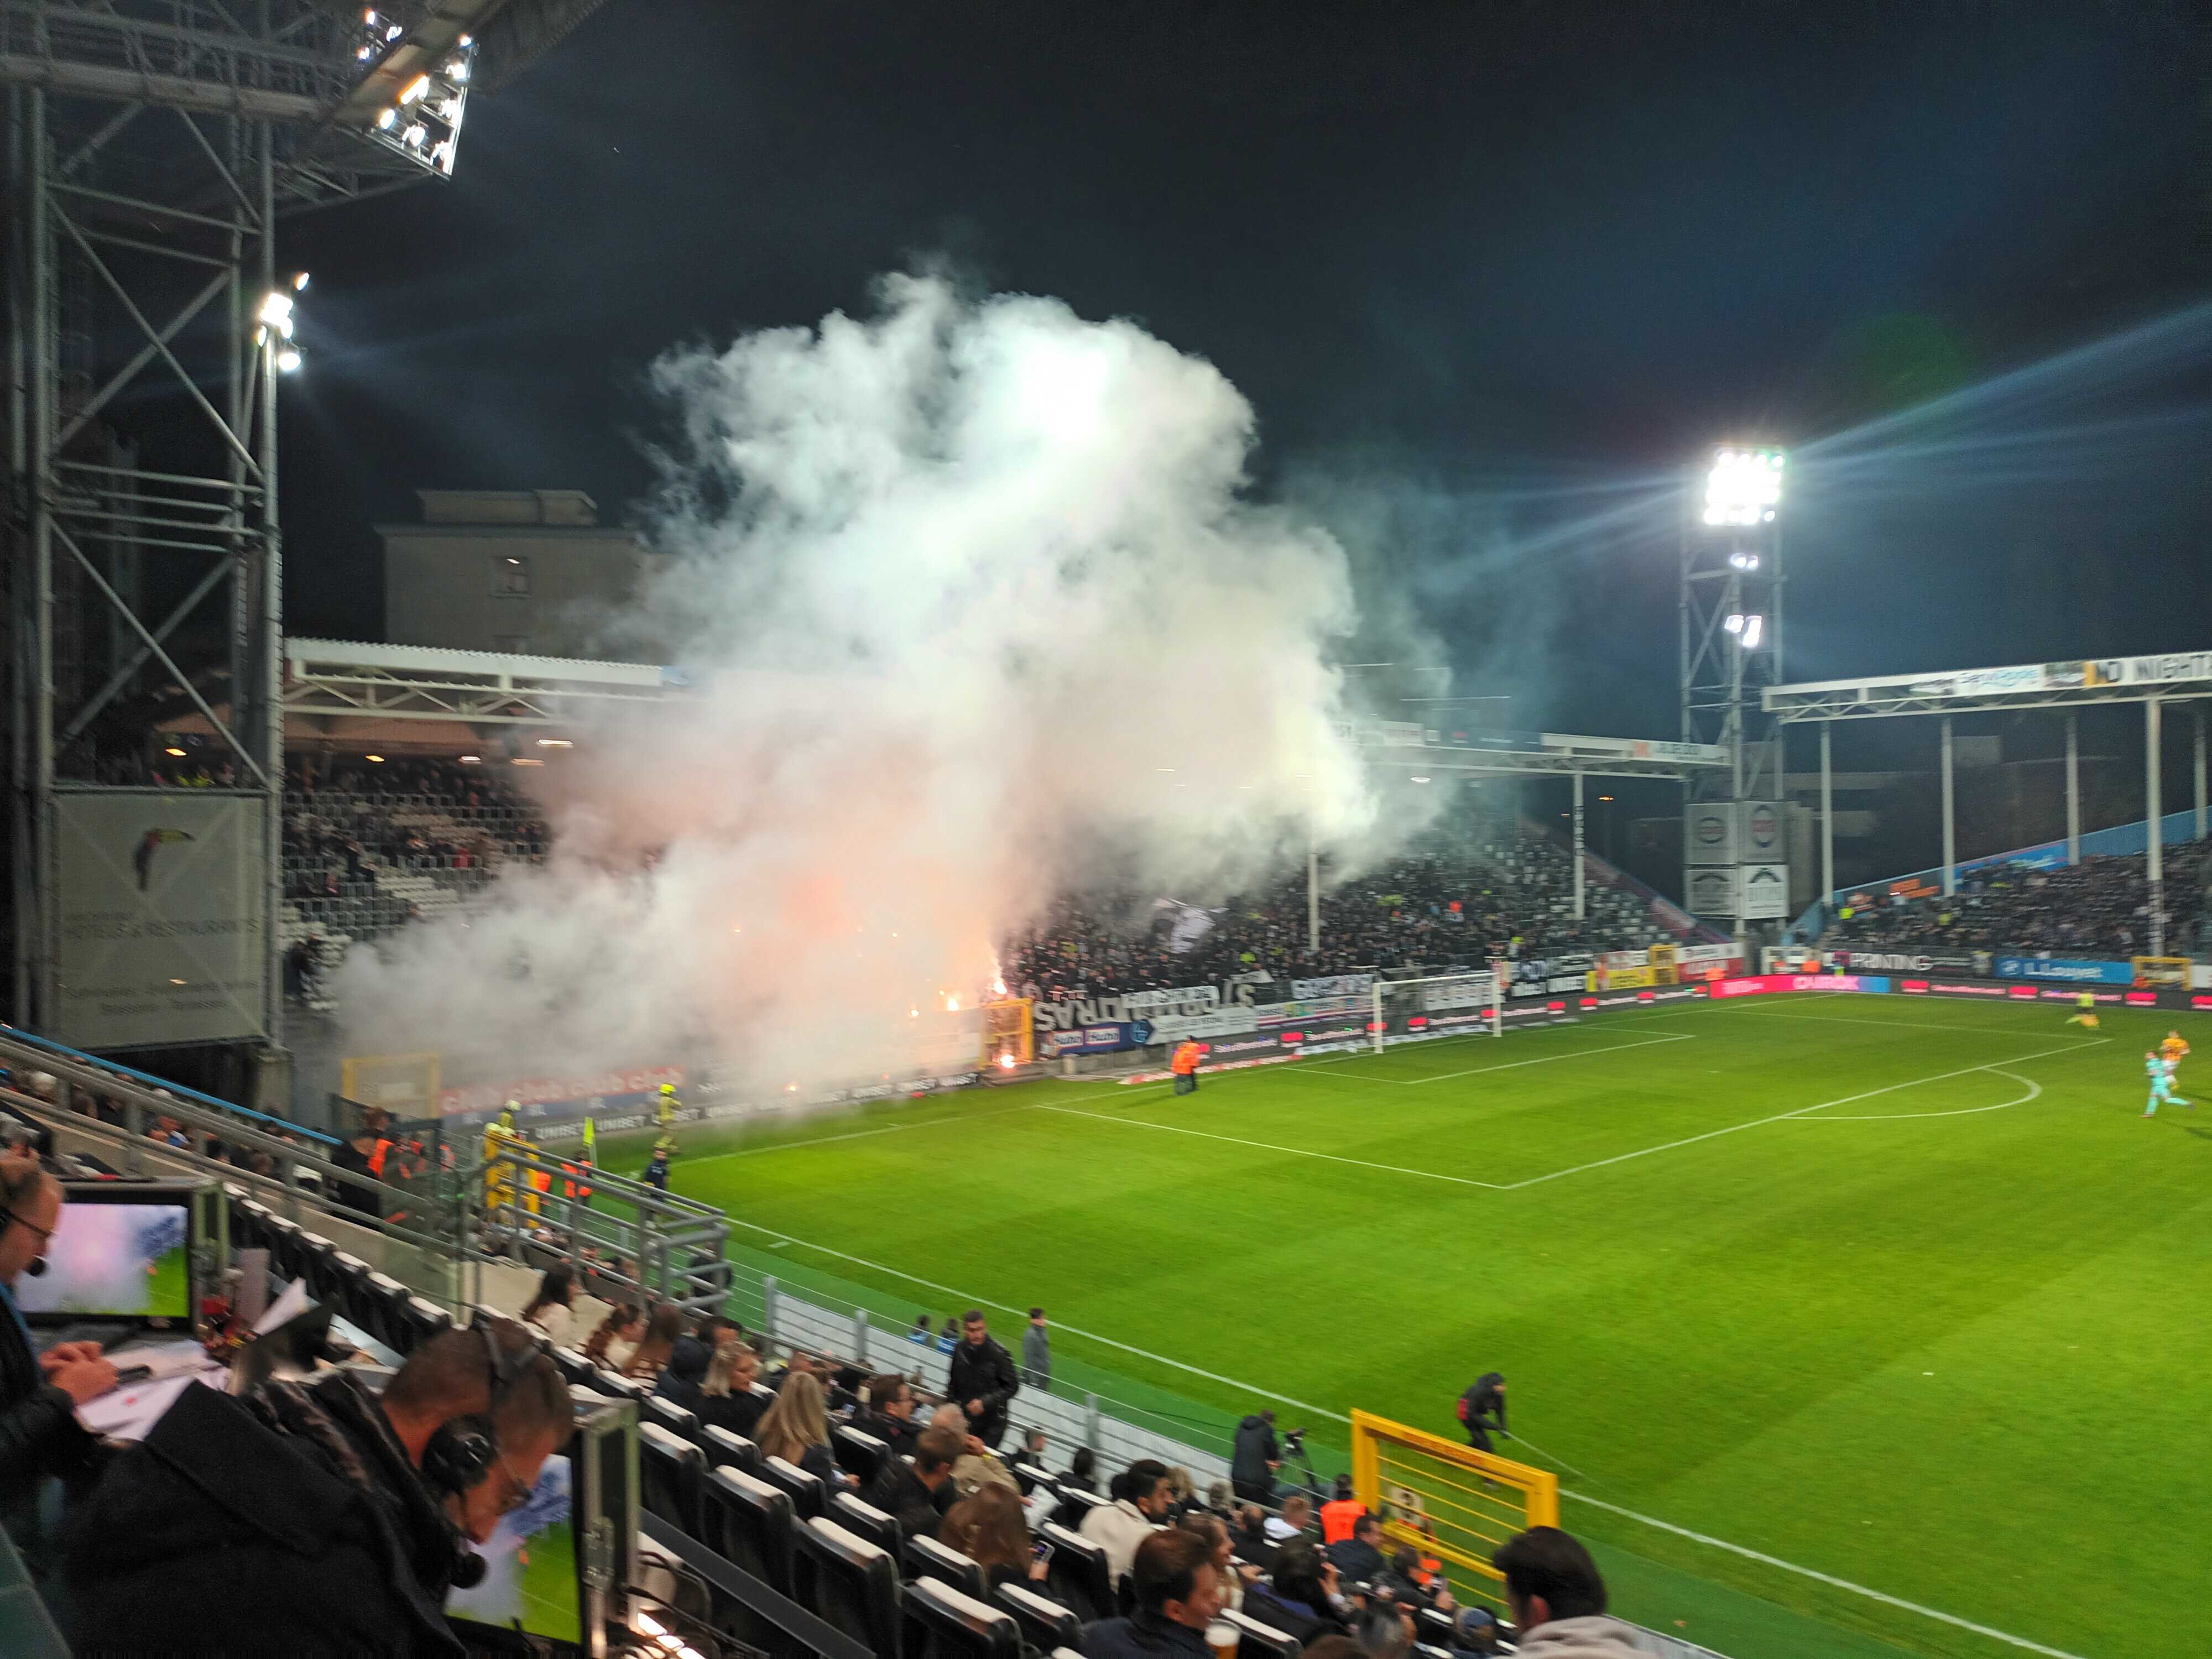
point(468, 1569)
point(36, 1267)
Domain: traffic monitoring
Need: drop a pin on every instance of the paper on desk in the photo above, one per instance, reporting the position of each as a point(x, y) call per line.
point(160, 1359)
point(290, 1305)
point(130, 1413)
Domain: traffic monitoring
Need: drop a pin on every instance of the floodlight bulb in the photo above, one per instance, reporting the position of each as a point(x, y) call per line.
point(1735, 622)
point(1420, 777)
point(276, 309)
point(415, 135)
point(386, 118)
point(299, 283)
point(457, 72)
point(366, 53)
point(369, 18)
point(288, 361)
point(415, 89)
point(393, 32)
point(468, 40)
point(1752, 626)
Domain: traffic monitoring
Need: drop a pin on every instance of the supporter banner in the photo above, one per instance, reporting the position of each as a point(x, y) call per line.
point(1763, 891)
point(2068, 969)
point(1223, 1021)
point(1976, 962)
point(1478, 991)
point(1280, 1013)
point(1709, 833)
point(1336, 985)
point(1613, 959)
point(162, 917)
point(1687, 955)
point(1104, 1010)
point(1712, 892)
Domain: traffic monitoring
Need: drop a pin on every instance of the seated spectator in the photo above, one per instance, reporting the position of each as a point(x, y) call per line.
point(988, 1529)
point(40, 1435)
point(796, 1428)
point(680, 1379)
point(1082, 1474)
point(1406, 1579)
point(1218, 1539)
point(552, 1310)
point(1032, 1448)
point(887, 1411)
point(334, 1518)
point(664, 1329)
point(1556, 1598)
point(1178, 1594)
point(1383, 1632)
point(619, 1330)
point(1296, 1518)
point(978, 1465)
point(1140, 1503)
point(1359, 1558)
point(918, 1494)
point(1299, 1598)
point(726, 1399)
point(1252, 1541)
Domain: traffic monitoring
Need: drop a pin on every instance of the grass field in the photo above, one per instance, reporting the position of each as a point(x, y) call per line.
point(1906, 1293)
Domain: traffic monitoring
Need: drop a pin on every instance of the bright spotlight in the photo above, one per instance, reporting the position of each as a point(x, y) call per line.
point(1743, 561)
point(299, 281)
point(1743, 487)
point(1420, 777)
point(423, 123)
point(1753, 628)
point(1735, 622)
point(276, 312)
point(288, 361)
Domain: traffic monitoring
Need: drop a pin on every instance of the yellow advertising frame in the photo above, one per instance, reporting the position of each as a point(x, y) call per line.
point(1447, 1500)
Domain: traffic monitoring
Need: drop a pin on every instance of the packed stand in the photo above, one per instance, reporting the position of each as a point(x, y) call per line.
point(2098, 909)
point(1434, 912)
point(370, 846)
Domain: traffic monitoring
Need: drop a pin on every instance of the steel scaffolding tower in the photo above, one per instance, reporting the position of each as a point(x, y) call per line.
point(154, 146)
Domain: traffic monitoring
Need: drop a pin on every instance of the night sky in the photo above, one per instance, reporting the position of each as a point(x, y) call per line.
point(1491, 275)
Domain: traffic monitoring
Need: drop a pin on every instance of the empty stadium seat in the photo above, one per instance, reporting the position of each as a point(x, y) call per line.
point(940, 1623)
point(865, 1519)
point(580, 1395)
point(671, 1416)
point(1030, 1477)
point(575, 1367)
point(1074, 1505)
point(1257, 1640)
point(1045, 1624)
point(724, 1446)
point(385, 1301)
point(1079, 1575)
point(748, 1522)
point(425, 1319)
point(850, 1584)
point(858, 1453)
point(670, 1469)
point(927, 1559)
point(615, 1384)
point(807, 1497)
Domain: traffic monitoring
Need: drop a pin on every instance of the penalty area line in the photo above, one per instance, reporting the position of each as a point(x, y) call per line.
point(1271, 1146)
point(861, 1134)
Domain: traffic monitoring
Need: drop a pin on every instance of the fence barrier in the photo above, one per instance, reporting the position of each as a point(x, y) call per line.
point(1447, 1500)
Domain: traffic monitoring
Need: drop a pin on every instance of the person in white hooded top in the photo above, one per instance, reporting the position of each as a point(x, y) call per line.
point(1556, 1598)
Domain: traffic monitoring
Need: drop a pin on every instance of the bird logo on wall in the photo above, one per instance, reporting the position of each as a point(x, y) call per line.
point(143, 859)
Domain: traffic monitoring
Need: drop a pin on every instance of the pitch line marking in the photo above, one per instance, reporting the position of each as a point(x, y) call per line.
point(1801, 1111)
point(2034, 1092)
point(1902, 1025)
point(1326, 1067)
point(886, 1129)
point(1340, 1417)
point(1270, 1147)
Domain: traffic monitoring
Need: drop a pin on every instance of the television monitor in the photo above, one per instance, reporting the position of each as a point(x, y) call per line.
point(550, 1563)
point(122, 1250)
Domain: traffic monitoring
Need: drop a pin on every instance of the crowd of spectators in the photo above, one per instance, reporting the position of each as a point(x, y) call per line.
point(2099, 908)
point(1434, 911)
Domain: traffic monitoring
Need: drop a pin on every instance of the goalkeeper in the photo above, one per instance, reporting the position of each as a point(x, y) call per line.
point(2160, 1072)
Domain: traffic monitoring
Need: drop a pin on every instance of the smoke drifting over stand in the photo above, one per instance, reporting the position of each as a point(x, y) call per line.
point(976, 610)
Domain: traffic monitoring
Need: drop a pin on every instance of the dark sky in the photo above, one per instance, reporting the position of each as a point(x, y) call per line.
point(1487, 271)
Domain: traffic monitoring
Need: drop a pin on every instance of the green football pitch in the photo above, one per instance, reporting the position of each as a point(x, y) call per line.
point(1832, 1304)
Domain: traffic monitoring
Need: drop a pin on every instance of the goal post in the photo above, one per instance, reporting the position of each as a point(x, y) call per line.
point(2161, 970)
point(1445, 1003)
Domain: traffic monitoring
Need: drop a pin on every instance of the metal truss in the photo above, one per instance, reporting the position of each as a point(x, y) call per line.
point(1732, 572)
point(153, 147)
point(1900, 695)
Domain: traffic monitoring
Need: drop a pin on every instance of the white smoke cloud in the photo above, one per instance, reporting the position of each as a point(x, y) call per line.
point(976, 605)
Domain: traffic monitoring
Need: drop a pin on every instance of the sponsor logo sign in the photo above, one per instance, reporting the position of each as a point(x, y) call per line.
point(2066, 970)
point(1174, 1028)
point(1762, 830)
point(1710, 834)
point(1335, 985)
point(1101, 1011)
point(1712, 892)
point(1763, 891)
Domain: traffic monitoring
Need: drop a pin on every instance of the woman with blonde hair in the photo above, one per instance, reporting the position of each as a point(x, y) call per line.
point(662, 1331)
point(988, 1529)
point(796, 1428)
point(726, 1399)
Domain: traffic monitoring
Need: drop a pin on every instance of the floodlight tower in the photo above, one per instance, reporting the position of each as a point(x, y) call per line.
point(1731, 647)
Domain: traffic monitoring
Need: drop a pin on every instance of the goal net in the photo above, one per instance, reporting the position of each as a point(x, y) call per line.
point(2162, 970)
point(1406, 1010)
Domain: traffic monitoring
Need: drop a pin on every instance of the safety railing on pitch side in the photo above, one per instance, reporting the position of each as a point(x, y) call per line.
point(1448, 1500)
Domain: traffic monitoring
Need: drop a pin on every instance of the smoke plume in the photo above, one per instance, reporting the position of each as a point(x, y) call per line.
point(975, 610)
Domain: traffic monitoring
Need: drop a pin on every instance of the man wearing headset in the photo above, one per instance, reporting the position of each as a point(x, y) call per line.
point(335, 1517)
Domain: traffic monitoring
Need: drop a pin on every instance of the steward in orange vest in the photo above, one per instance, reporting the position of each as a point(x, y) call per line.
point(1185, 1066)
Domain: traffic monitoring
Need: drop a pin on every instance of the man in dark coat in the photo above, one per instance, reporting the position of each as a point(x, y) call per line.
point(1256, 1457)
point(1359, 1559)
point(981, 1381)
point(1178, 1594)
point(887, 1412)
point(1482, 1408)
point(316, 1501)
point(917, 1495)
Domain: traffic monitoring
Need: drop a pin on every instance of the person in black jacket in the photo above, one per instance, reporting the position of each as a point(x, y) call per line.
point(981, 1381)
point(887, 1412)
point(685, 1371)
point(1482, 1408)
point(1300, 1596)
point(338, 1517)
point(1255, 1458)
point(40, 1435)
point(917, 1495)
point(1178, 1593)
point(1359, 1559)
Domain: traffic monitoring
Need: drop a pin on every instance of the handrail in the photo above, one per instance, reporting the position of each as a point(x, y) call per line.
point(16, 1033)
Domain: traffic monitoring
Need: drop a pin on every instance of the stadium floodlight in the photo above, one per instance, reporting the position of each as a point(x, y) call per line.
point(423, 123)
point(289, 360)
point(1743, 487)
point(1743, 561)
point(1747, 628)
point(275, 311)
